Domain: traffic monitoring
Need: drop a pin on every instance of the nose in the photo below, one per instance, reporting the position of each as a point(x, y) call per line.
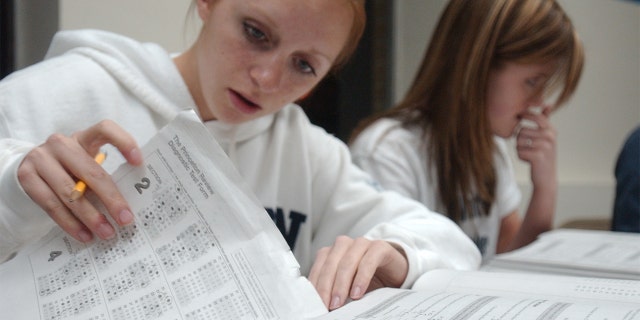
point(537, 100)
point(267, 74)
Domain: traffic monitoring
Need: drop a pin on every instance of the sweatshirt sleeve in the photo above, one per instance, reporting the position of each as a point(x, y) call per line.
point(21, 219)
point(430, 240)
point(354, 205)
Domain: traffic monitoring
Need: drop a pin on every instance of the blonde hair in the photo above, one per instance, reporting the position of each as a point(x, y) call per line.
point(447, 97)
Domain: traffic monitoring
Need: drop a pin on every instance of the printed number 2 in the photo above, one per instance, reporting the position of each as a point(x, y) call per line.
point(142, 185)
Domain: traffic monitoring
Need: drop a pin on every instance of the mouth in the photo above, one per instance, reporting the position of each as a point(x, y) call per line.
point(242, 103)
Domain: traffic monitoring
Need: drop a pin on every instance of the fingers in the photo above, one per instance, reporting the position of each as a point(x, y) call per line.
point(347, 279)
point(49, 172)
point(40, 192)
point(352, 267)
point(540, 134)
point(365, 278)
point(325, 268)
point(101, 184)
point(526, 139)
point(537, 146)
point(534, 139)
point(536, 118)
point(83, 166)
point(109, 132)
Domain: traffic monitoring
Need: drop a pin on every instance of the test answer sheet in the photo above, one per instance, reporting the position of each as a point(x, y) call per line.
point(201, 247)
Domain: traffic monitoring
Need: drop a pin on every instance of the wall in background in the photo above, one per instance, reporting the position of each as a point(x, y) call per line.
point(593, 125)
point(26, 28)
point(165, 22)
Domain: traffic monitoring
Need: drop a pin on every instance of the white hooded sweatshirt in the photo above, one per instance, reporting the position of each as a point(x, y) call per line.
point(303, 176)
point(396, 156)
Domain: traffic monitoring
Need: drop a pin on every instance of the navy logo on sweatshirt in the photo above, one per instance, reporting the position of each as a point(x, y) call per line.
point(296, 219)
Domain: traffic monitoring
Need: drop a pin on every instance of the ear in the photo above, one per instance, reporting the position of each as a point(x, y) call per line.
point(204, 8)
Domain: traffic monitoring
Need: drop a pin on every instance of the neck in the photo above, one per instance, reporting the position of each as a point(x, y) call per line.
point(188, 68)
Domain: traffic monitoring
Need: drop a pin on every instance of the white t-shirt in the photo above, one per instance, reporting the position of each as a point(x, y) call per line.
point(396, 158)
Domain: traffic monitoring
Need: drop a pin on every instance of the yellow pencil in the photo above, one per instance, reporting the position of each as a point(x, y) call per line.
point(80, 187)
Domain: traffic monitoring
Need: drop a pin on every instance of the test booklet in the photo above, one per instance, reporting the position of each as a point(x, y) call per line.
point(201, 247)
point(593, 253)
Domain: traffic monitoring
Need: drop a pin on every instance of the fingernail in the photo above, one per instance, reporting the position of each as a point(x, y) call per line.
point(355, 292)
point(106, 231)
point(125, 217)
point(335, 303)
point(84, 236)
point(135, 155)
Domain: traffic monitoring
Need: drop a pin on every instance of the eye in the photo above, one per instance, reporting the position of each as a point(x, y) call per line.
point(537, 82)
point(533, 82)
point(304, 66)
point(253, 33)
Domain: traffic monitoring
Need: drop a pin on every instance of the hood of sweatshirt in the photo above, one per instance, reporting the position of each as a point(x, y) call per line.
point(230, 135)
point(145, 69)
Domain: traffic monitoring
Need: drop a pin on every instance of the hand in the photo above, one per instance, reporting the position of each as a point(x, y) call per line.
point(352, 267)
point(537, 146)
point(48, 175)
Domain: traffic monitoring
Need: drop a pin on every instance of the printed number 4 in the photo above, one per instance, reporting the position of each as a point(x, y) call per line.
point(143, 185)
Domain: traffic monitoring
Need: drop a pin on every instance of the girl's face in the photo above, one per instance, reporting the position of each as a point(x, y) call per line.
point(255, 56)
point(512, 90)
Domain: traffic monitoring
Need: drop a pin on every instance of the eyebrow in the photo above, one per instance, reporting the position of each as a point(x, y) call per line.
point(266, 21)
point(315, 52)
point(263, 14)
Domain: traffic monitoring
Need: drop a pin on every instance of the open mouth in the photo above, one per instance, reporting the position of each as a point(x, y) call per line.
point(243, 104)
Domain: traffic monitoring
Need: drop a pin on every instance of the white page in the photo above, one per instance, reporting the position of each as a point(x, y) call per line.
point(577, 252)
point(201, 248)
point(396, 304)
point(448, 294)
point(522, 285)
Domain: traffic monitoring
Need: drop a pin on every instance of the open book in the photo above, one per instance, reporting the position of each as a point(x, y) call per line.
point(593, 253)
point(470, 295)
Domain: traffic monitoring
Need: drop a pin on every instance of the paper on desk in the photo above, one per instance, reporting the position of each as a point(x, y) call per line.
point(201, 248)
point(593, 253)
point(471, 295)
